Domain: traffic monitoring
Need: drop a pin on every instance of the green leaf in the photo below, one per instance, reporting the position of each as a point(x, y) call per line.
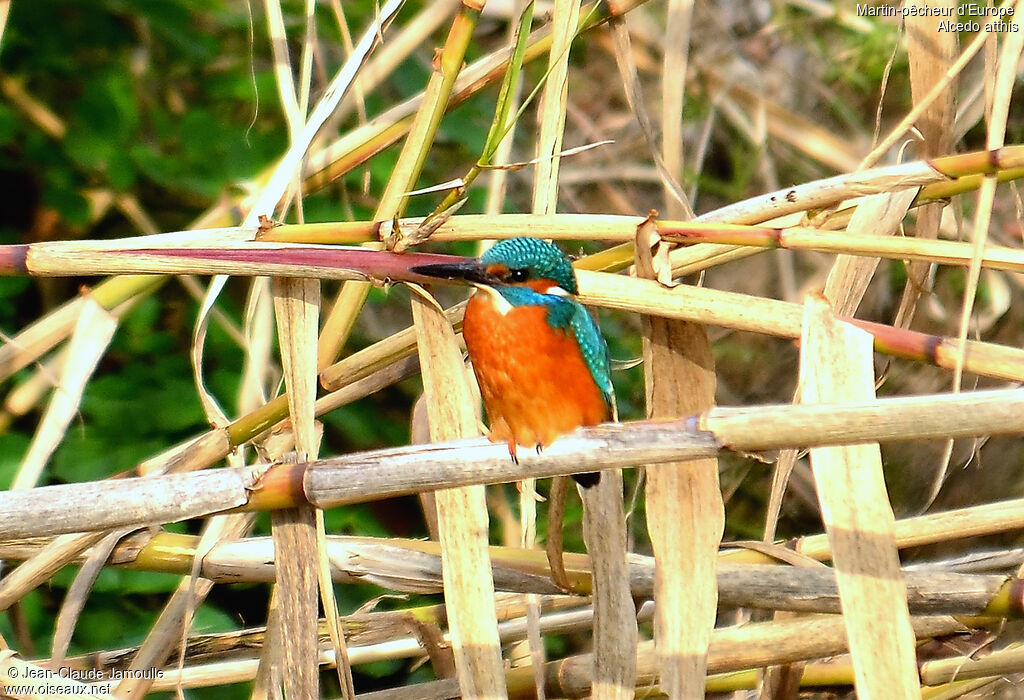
point(10, 126)
point(67, 201)
point(210, 620)
point(111, 621)
point(122, 581)
point(87, 454)
point(146, 401)
point(13, 447)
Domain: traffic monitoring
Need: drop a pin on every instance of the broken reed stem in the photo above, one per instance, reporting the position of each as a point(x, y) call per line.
point(738, 648)
point(67, 258)
point(732, 649)
point(414, 566)
point(712, 307)
point(783, 319)
point(380, 474)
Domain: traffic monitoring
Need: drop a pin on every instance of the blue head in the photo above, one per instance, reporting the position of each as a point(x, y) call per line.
point(526, 264)
point(520, 261)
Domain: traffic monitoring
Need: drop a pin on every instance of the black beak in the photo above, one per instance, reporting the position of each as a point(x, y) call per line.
point(470, 271)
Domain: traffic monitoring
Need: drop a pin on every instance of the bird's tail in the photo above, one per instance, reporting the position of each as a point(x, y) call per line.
point(587, 479)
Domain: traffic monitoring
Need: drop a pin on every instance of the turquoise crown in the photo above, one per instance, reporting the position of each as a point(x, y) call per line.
point(541, 260)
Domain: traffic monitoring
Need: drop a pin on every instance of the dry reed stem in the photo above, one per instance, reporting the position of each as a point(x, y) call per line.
point(1002, 662)
point(733, 648)
point(930, 53)
point(613, 666)
point(294, 531)
point(986, 519)
point(709, 306)
point(191, 455)
point(685, 512)
point(461, 513)
point(761, 315)
point(263, 257)
point(957, 689)
point(382, 473)
point(89, 340)
point(604, 527)
point(297, 306)
point(836, 364)
point(43, 565)
point(742, 647)
point(177, 614)
point(856, 243)
point(414, 566)
point(831, 674)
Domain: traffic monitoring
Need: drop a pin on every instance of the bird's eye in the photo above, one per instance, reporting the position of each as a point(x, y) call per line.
point(517, 275)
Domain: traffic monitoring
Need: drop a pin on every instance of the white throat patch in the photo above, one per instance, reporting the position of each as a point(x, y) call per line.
point(500, 303)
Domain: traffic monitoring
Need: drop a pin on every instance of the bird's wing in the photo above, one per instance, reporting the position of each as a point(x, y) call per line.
point(595, 351)
point(567, 313)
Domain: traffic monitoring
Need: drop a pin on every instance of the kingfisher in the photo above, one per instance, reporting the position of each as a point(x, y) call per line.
point(538, 356)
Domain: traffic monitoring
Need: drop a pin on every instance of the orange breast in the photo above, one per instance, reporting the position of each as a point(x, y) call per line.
point(534, 381)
